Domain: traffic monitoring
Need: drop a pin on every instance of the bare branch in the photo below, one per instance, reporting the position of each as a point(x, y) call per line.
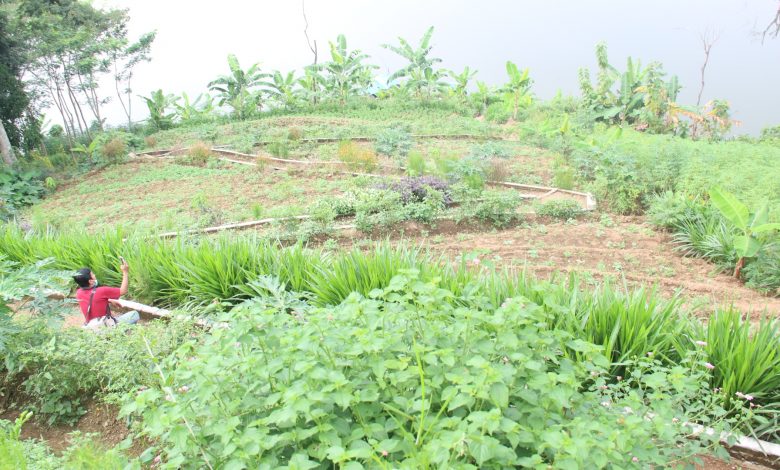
point(707, 41)
point(773, 28)
point(306, 33)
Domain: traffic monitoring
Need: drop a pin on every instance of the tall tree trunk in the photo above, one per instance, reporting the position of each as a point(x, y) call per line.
point(5, 147)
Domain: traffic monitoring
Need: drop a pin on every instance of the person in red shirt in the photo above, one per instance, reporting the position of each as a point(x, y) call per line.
point(90, 290)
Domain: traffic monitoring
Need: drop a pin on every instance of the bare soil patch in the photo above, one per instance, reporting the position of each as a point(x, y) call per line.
point(629, 250)
point(626, 251)
point(100, 419)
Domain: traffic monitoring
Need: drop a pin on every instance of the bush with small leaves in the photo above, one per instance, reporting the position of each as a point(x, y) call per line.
point(411, 377)
point(199, 153)
point(279, 149)
point(394, 142)
point(114, 150)
point(357, 157)
point(564, 209)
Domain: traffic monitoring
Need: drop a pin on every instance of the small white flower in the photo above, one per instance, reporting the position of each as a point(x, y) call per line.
point(605, 404)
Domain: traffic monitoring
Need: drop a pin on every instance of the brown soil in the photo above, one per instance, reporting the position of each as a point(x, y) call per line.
point(711, 463)
point(627, 251)
point(100, 419)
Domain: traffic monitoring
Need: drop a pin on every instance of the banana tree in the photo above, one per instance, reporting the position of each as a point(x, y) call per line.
point(483, 96)
point(346, 74)
point(158, 104)
point(281, 89)
point(516, 90)
point(239, 90)
point(311, 85)
point(461, 81)
point(420, 70)
point(194, 111)
point(749, 224)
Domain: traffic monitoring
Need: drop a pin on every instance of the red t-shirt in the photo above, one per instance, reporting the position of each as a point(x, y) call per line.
point(99, 302)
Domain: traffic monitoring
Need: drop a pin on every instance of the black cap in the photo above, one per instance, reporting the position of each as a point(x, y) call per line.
point(82, 277)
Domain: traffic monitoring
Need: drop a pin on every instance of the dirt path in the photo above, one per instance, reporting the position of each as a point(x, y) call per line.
point(626, 249)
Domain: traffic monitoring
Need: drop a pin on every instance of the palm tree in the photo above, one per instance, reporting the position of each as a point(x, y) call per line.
point(346, 74)
point(517, 88)
point(420, 74)
point(239, 89)
point(282, 89)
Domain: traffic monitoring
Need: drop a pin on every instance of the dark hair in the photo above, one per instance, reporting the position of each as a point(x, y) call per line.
point(82, 277)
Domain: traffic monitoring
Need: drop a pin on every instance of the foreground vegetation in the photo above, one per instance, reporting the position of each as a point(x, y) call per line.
point(295, 284)
point(382, 357)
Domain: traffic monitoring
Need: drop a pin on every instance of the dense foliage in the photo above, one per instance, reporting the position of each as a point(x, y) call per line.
point(407, 379)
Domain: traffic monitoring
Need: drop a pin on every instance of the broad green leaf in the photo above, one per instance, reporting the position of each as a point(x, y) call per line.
point(766, 227)
point(499, 393)
point(760, 217)
point(746, 246)
point(736, 212)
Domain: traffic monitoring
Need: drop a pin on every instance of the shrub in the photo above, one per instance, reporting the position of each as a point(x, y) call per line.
point(563, 177)
point(114, 150)
point(469, 170)
point(18, 190)
point(393, 142)
point(564, 209)
point(279, 149)
point(377, 208)
point(763, 273)
point(489, 150)
point(199, 153)
point(496, 207)
point(405, 378)
point(295, 134)
point(62, 369)
point(417, 189)
point(415, 164)
point(498, 113)
point(357, 157)
point(497, 170)
point(150, 141)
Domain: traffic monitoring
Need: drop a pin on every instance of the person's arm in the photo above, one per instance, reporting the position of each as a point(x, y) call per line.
point(125, 281)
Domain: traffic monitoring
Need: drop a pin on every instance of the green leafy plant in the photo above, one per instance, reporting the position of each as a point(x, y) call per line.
point(406, 377)
point(516, 90)
point(496, 207)
point(393, 142)
point(190, 112)
point(345, 73)
point(559, 209)
point(18, 190)
point(488, 150)
point(357, 157)
point(415, 164)
point(239, 89)
point(750, 225)
point(159, 105)
point(279, 148)
point(420, 75)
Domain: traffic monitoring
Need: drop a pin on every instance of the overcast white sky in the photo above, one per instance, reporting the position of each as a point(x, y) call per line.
point(552, 37)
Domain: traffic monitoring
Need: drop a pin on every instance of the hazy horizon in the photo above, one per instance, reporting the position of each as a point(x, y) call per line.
point(553, 38)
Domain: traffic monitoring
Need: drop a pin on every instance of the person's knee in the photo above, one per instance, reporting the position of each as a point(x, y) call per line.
point(130, 317)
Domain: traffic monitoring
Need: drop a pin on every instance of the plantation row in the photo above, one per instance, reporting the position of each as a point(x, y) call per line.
point(218, 273)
